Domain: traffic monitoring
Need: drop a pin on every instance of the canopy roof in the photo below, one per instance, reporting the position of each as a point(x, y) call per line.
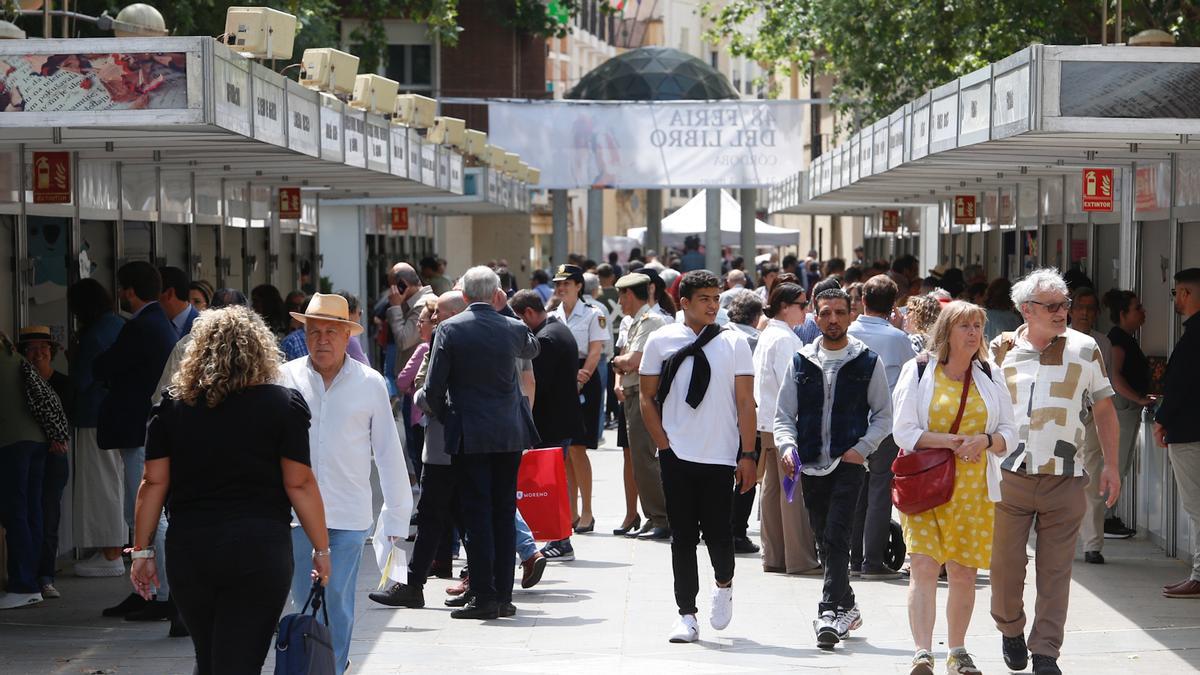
point(691, 219)
point(653, 74)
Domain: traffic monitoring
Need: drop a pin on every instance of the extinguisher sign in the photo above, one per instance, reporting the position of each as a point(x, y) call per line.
point(51, 178)
point(400, 218)
point(1097, 189)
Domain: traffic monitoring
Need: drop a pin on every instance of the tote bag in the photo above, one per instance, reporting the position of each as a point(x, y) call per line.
point(542, 494)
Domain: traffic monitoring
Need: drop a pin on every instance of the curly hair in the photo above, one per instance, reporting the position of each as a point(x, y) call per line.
point(231, 349)
point(923, 311)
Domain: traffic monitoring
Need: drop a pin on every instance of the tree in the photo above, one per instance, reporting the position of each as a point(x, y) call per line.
point(884, 53)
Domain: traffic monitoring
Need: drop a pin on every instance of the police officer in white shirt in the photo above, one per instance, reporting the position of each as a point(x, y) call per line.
point(351, 423)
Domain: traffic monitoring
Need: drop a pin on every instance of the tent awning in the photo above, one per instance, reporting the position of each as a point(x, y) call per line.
point(691, 219)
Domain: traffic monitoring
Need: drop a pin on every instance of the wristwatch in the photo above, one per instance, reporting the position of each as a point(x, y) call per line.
point(139, 553)
point(746, 455)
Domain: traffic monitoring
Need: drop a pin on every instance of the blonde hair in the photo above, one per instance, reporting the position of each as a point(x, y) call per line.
point(231, 349)
point(953, 314)
point(923, 311)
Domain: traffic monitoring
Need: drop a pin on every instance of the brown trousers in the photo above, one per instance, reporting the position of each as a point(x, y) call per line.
point(1054, 506)
point(787, 536)
point(644, 456)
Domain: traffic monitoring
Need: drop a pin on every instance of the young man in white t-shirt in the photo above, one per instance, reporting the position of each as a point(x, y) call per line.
point(700, 426)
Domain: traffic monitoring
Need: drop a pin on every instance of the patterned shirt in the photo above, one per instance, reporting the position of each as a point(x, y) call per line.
point(294, 345)
point(1048, 391)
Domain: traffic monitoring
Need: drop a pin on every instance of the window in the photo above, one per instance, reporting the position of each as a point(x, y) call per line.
point(713, 59)
point(411, 66)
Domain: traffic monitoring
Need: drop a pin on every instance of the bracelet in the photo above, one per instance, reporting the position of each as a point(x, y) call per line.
point(989, 437)
point(321, 553)
point(141, 553)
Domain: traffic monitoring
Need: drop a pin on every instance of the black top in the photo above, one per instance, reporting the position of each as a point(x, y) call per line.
point(225, 460)
point(556, 409)
point(1135, 367)
point(61, 384)
point(1178, 410)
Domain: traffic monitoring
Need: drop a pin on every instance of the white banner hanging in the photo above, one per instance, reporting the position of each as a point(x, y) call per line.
point(662, 144)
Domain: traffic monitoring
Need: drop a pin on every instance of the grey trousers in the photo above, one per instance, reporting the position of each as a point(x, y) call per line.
point(1129, 414)
point(868, 540)
point(1185, 462)
point(645, 462)
point(1091, 530)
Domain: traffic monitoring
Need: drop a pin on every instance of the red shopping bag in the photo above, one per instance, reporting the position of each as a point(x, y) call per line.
point(542, 494)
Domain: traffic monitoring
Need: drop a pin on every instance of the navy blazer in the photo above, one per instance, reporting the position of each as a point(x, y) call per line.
point(131, 368)
point(472, 386)
point(556, 408)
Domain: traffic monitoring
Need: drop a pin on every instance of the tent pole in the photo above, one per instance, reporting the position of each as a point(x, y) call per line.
point(712, 230)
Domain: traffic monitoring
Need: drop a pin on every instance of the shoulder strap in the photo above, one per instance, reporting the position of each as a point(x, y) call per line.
point(922, 361)
point(987, 368)
point(962, 401)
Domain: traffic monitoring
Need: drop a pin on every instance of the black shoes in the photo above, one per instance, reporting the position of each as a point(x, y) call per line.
point(132, 603)
point(1093, 557)
point(153, 611)
point(744, 545)
point(1045, 665)
point(478, 610)
point(1115, 529)
point(1016, 653)
point(400, 595)
point(625, 530)
point(461, 600)
point(635, 532)
point(579, 529)
point(508, 609)
point(655, 533)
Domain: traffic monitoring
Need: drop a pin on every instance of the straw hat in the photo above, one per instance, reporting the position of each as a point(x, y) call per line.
point(34, 334)
point(328, 307)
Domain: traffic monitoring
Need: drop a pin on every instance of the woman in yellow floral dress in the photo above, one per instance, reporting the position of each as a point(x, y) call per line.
point(957, 534)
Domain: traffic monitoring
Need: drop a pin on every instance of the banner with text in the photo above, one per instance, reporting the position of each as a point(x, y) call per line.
point(659, 144)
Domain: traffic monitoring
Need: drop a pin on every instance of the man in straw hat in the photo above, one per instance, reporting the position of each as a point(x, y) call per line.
point(351, 423)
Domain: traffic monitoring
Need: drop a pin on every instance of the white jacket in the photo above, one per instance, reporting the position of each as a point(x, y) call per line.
point(910, 404)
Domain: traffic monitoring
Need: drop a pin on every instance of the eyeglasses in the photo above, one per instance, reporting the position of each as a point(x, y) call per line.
point(1054, 307)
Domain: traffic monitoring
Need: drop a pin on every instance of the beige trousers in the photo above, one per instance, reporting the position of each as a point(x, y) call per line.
point(644, 456)
point(1054, 506)
point(1091, 530)
point(1185, 463)
point(787, 536)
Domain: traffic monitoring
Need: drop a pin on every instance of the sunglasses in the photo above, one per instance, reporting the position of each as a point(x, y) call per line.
point(1053, 307)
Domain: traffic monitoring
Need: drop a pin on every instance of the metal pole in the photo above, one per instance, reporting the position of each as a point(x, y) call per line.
point(749, 247)
point(1104, 22)
point(595, 224)
point(1127, 251)
point(654, 208)
point(21, 244)
point(712, 230)
point(558, 241)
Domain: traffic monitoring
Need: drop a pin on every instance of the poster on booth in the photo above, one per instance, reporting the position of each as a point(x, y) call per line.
point(652, 144)
point(93, 82)
point(1098, 190)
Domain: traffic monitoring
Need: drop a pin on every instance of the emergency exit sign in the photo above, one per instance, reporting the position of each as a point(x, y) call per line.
point(1097, 189)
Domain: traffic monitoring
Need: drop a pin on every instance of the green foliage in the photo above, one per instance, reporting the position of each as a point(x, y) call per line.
point(884, 53)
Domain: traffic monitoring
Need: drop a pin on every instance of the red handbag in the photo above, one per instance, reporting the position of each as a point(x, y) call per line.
point(925, 478)
point(542, 494)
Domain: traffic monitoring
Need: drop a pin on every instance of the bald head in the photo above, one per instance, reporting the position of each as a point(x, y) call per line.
point(405, 272)
point(735, 278)
point(449, 304)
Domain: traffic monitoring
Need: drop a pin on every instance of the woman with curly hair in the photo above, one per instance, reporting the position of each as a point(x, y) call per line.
point(923, 311)
point(227, 450)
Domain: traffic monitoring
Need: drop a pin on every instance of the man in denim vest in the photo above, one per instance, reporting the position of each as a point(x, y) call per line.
point(834, 408)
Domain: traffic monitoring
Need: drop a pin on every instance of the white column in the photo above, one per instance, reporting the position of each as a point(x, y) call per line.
point(712, 230)
point(748, 241)
point(595, 224)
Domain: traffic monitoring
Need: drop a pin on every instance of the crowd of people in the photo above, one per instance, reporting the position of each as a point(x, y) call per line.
point(208, 422)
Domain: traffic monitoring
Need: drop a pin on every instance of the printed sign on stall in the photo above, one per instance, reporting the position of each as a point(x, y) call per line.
point(891, 221)
point(964, 209)
point(400, 218)
point(1097, 189)
point(51, 178)
point(289, 203)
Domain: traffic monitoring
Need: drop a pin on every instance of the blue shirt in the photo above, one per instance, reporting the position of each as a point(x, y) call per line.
point(294, 345)
point(692, 260)
point(890, 343)
point(544, 290)
point(183, 320)
point(808, 331)
point(89, 392)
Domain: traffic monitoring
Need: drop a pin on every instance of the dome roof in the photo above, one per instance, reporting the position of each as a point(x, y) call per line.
point(653, 74)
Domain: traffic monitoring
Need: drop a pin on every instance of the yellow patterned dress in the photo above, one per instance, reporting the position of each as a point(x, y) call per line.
point(961, 529)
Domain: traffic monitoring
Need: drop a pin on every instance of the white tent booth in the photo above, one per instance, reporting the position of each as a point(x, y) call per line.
point(690, 220)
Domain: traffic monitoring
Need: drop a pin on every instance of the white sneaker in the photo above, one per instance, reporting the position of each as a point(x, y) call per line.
point(49, 592)
point(848, 620)
point(722, 607)
point(686, 630)
point(99, 566)
point(825, 626)
point(17, 600)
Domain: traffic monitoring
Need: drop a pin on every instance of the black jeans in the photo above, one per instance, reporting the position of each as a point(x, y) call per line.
point(230, 583)
point(487, 496)
point(873, 515)
point(53, 484)
point(831, 501)
point(697, 500)
point(435, 521)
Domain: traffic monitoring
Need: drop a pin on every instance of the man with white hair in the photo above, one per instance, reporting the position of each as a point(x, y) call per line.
point(1052, 371)
point(473, 389)
point(734, 281)
point(352, 424)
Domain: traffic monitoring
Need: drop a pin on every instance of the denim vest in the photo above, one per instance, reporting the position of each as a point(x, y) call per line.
point(850, 413)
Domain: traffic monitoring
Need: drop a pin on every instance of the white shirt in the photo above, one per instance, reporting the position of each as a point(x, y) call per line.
point(707, 434)
point(657, 308)
point(351, 421)
point(777, 344)
point(587, 323)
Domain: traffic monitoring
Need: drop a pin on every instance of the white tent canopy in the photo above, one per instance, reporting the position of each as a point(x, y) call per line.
point(691, 219)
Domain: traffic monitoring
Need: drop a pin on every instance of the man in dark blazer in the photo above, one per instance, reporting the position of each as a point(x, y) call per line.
point(556, 410)
point(473, 389)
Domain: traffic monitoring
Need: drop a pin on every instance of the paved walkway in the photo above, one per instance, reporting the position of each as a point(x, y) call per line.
point(610, 611)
